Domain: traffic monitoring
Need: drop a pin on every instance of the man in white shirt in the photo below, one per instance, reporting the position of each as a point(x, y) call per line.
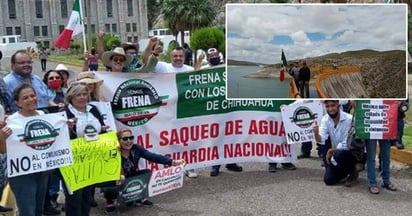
point(177, 65)
point(340, 160)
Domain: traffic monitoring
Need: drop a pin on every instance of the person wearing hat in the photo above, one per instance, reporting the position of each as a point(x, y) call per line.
point(64, 72)
point(130, 53)
point(340, 162)
point(213, 59)
point(93, 84)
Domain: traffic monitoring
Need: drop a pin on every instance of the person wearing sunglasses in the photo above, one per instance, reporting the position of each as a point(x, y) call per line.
point(130, 156)
point(53, 79)
point(86, 121)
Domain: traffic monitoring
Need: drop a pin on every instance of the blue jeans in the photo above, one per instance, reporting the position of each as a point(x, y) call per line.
point(29, 191)
point(53, 188)
point(345, 165)
point(384, 146)
point(304, 89)
point(399, 134)
point(93, 67)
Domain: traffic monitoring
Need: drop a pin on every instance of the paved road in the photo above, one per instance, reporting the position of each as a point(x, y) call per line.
point(258, 192)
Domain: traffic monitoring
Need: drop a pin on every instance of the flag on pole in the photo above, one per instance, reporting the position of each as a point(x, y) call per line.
point(284, 64)
point(74, 27)
point(283, 58)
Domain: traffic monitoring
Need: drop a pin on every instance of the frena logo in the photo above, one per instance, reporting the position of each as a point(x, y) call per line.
point(135, 102)
point(39, 134)
point(303, 117)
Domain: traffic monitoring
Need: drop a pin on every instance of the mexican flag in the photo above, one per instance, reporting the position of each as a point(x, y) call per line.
point(282, 70)
point(376, 119)
point(74, 27)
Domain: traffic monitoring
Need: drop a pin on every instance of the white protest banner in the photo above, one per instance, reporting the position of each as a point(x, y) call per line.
point(186, 116)
point(106, 110)
point(37, 144)
point(165, 180)
point(298, 119)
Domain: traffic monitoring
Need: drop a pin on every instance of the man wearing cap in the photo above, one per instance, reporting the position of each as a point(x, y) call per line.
point(21, 65)
point(340, 162)
point(213, 59)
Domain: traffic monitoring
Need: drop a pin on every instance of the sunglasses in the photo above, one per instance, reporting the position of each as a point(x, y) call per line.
point(127, 138)
point(54, 78)
point(118, 59)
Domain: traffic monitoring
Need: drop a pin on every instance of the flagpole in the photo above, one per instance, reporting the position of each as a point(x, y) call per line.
point(82, 22)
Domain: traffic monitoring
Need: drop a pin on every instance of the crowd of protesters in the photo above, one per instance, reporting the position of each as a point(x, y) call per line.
point(23, 94)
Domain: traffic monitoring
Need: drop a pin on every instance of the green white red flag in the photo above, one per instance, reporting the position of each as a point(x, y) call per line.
point(376, 119)
point(74, 27)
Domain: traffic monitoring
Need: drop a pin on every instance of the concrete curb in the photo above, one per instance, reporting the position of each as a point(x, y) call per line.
point(402, 155)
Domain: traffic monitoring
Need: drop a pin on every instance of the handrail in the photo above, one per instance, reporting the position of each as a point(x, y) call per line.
point(293, 89)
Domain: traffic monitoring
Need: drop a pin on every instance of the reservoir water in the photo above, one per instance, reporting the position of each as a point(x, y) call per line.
point(241, 87)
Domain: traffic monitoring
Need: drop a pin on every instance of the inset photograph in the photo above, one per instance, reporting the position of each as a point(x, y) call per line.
point(281, 51)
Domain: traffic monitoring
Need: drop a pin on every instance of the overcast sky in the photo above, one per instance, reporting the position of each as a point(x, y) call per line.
point(258, 33)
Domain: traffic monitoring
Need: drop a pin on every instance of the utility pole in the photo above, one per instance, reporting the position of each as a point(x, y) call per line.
point(89, 25)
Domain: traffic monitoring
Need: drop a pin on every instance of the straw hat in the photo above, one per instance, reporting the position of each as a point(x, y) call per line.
point(106, 57)
point(88, 78)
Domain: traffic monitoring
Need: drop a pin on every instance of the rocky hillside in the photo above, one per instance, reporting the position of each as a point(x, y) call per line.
point(383, 74)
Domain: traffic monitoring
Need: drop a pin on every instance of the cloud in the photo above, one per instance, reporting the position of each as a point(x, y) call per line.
point(314, 29)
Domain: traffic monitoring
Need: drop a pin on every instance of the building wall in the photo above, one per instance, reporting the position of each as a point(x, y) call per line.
point(25, 18)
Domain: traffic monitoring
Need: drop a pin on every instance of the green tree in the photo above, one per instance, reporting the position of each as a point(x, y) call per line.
point(153, 11)
point(187, 15)
point(206, 38)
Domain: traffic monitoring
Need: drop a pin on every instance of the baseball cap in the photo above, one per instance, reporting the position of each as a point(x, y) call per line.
point(211, 50)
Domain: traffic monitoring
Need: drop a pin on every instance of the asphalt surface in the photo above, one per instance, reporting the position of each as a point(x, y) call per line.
point(255, 191)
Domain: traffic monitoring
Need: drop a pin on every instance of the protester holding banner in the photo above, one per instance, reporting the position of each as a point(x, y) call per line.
point(340, 160)
point(131, 154)
point(86, 122)
point(28, 189)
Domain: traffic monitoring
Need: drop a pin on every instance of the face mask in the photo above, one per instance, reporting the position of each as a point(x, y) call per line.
point(215, 60)
point(134, 64)
point(55, 84)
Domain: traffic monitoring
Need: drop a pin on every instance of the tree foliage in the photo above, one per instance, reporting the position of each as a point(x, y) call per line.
point(187, 15)
point(206, 38)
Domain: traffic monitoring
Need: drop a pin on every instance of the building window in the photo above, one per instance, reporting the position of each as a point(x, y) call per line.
point(44, 30)
point(61, 28)
point(129, 39)
point(46, 44)
point(107, 27)
point(9, 30)
point(114, 28)
point(36, 31)
point(85, 29)
point(17, 30)
point(12, 9)
point(136, 39)
point(134, 27)
point(109, 5)
point(93, 28)
point(129, 8)
point(39, 8)
point(63, 7)
point(128, 27)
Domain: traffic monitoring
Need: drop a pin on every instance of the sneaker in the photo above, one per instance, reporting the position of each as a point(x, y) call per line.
point(191, 173)
point(303, 155)
point(145, 202)
point(390, 187)
point(353, 177)
point(4, 209)
point(51, 211)
point(373, 190)
point(288, 166)
point(214, 172)
point(272, 167)
point(234, 167)
point(399, 145)
point(110, 208)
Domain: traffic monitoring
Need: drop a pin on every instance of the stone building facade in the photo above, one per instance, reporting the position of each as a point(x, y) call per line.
point(43, 20)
